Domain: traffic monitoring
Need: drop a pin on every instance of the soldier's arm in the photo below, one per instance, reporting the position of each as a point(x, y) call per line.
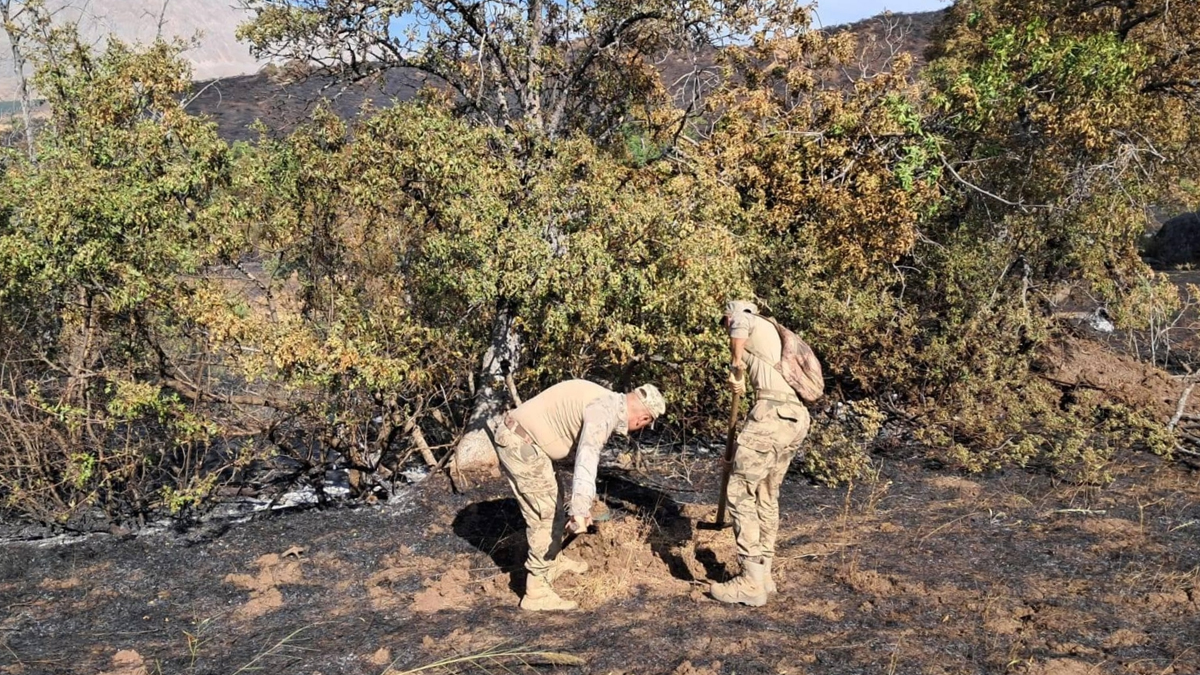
point(737, 351)
point(599, 420)
point(739, 332)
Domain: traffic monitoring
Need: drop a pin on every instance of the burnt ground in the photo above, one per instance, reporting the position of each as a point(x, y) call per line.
point(912, 571)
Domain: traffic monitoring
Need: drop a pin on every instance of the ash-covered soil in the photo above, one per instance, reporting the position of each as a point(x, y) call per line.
point(913, 571)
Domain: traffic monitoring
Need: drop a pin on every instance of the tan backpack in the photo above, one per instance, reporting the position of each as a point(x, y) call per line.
point(799, 365)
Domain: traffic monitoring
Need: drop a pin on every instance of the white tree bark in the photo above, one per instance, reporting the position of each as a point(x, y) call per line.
point(474, 450)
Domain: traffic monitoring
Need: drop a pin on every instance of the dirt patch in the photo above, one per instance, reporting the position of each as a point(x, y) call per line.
point(1072, 362)
point(395, 569)
point(59, 584)
point(827, 610)
point(868, 582)
point(274, 571)
point(1110, 527)
point(448, 591)
point(1125, 638)
point(382, 657)
point(1113, 535)
point(1168, 600)
point(959, 488)
point(933, 576)
point(127, 662)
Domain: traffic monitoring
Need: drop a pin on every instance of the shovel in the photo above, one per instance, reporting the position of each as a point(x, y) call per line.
point(730, 453)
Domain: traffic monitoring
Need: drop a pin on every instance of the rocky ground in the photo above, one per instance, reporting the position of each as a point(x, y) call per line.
point(911, 571)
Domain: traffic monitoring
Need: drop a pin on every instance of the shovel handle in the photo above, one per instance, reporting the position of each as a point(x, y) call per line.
point(730, 453)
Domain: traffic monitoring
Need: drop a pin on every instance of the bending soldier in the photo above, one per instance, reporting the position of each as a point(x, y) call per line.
point(544, 429)
point(769, 440)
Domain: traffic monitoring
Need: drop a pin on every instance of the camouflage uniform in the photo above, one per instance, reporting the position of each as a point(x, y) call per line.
point(770, 439)
point(768, 442)
point(528, 462)
point(766, 446)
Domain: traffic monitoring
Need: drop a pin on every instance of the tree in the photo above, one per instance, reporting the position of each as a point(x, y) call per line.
point(389, 242)
point(541, 69)
point(546, 67)
point(99, 239)
point(1066, 122)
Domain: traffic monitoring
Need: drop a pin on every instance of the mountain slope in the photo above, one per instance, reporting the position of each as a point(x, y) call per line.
point(236, 102)
point(218, 54)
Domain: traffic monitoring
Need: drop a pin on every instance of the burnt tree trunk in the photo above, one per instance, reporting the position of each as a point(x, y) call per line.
point(474, 450)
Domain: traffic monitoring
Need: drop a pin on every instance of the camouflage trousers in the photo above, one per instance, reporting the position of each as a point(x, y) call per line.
point(768, 442)
point(530, 474)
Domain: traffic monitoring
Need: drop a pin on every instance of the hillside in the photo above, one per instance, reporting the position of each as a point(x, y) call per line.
point(216, 54)
point(236, 102)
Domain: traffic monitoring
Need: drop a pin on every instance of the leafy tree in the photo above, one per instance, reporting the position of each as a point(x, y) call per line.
point(547, 67)
point(541, 69)
point(390, 242)
point(98, 239)
point(1063, 123)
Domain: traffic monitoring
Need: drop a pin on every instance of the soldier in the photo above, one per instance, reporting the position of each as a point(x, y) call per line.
point(544, 429)
point(769, 440)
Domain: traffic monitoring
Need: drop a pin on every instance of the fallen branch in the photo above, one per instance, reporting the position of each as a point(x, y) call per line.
point(1183, 399)
point(418, 438)
point(1184, 451)
point(512, 390)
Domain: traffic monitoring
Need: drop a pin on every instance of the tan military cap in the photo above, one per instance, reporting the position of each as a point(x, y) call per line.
point(653, 399)
point(739, 306)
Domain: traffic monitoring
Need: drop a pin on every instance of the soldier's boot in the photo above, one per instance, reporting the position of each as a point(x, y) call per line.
point(768, 581)
point(747, 588)
point(563, 564)
point(540, 597)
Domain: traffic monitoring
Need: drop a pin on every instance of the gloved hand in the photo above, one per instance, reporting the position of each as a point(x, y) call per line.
point(737, 382)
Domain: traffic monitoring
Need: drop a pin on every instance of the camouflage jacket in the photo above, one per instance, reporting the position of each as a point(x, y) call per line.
point(601, 418)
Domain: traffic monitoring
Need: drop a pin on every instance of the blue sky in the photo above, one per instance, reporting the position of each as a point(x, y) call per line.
point(833, 12)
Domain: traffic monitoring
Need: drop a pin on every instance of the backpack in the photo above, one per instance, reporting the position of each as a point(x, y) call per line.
point(798, 364)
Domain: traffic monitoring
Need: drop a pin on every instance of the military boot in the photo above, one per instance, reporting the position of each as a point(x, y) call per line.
point(540, 597)
point(562, 565)
point(748, 588)
point(768, 581)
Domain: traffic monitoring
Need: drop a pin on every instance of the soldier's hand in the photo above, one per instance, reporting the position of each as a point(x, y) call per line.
point(737, 384)
point(579, 524)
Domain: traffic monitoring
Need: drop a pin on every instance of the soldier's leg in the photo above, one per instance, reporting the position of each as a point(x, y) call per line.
point(753, 462)
point(790, 432)
point(767, 504)
point(751, 466)
point(530, 474)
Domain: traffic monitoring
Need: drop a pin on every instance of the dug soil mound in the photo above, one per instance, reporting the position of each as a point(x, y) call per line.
point(911, 572)
point(1072, 362)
